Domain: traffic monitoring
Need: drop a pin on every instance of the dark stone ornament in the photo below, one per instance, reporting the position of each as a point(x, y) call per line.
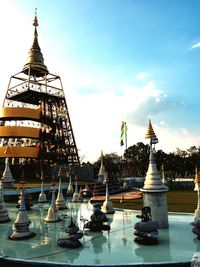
point(196, 226)
point(146, 231)
point(97, 220)
point(73, 240)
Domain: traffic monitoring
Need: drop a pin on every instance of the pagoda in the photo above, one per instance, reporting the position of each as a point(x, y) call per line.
point(154, 191)
point(35, 126)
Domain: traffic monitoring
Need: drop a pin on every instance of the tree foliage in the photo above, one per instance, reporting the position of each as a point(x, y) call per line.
point(135, 160)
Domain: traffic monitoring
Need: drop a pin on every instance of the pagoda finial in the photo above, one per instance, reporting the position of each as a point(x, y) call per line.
point(150, 134)
point(35, 22)
point(35, 65)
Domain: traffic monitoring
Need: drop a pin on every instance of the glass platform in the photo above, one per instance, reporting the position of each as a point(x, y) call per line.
point(116, 247)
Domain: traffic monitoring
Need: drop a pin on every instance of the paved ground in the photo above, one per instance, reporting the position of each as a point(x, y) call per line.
point(125, 195)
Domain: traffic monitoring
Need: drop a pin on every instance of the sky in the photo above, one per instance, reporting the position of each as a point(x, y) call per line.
point(119, 60)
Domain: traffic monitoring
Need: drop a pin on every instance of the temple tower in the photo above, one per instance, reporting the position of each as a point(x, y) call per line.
point(154, 191)
point(34, 121)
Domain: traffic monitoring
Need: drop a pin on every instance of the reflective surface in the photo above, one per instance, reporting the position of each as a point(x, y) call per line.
point(176, 244)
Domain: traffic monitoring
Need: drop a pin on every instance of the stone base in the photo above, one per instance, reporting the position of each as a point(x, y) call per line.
point(5, 219)
point(21, 236)
point(157, 201)
point(69, 242)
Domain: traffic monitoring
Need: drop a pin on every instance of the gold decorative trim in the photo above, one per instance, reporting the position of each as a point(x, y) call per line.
point(19, 131)
point(28, 113)
point(19, 152)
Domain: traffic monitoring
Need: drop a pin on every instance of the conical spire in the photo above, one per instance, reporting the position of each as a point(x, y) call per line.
point(151, 134)
point(52, 215)
point(196, 179)
point(35, 65)
point(7, 178)
point(102, 171)
point(60, 201)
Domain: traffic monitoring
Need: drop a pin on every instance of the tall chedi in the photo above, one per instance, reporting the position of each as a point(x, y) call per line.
point(154, 191)
point(35, 126)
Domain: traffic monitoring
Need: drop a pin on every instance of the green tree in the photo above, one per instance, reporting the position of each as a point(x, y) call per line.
point(137, 158)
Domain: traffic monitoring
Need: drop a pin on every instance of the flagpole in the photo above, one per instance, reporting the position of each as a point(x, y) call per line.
point(126, 139)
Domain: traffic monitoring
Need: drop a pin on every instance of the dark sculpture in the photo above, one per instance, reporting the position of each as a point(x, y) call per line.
point(196, 226)
point(146, 230)
point(86, 192)
point(73, 240)
point(97, 220)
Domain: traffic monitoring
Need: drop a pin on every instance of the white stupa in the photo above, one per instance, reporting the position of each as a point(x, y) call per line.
point(76, 195)
point(60, 201)
point(4, 216)
point(52, 215)
point(42, 196)
point(102, 171)
point(107, 204)
point(70, 189)
point(7, 178)
point(154, 191)
point(21, 224)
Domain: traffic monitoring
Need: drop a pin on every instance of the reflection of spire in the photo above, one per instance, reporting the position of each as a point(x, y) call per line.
point(124, 238)
point(109, 243)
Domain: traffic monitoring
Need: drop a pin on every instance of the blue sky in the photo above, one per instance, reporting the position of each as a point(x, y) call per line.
point(119, 60)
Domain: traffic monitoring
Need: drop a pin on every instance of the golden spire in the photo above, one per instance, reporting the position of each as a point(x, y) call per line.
point(150, 133)
point(197, 176)
point(35, 65)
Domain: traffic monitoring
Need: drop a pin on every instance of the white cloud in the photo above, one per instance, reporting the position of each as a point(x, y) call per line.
point(170, 139)
point(195, 45)
point(97, 117)
point(141, 75)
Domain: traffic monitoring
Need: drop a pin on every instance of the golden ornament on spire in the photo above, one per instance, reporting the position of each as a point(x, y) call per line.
point(151, 134)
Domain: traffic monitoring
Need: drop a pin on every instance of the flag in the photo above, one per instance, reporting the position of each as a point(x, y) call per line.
point(123, 132)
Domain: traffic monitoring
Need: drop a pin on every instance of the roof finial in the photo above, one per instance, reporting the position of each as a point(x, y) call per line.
point(35, 58)
point(35, 22)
